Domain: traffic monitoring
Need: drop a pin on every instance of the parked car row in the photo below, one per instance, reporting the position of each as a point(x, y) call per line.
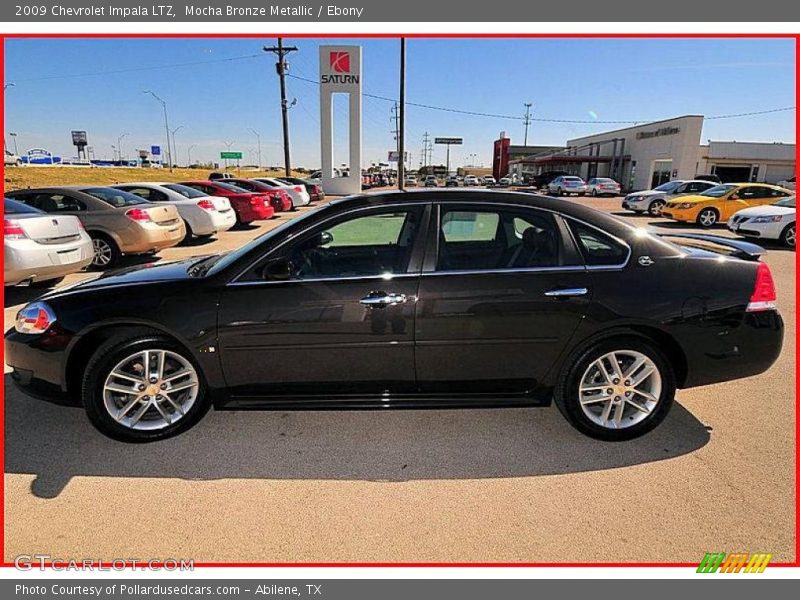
point(51, 232)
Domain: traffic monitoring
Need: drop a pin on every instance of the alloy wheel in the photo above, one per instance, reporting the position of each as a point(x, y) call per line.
point(151, 389)
point(656, 207)
point(789, 236)
point(620, 389)
point(102, 252)
point(707, 218)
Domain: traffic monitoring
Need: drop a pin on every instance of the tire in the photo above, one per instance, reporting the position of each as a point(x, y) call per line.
point(594, 193)
point(45, 283)
point(708, 217)
point(106, 252)
point(587, 417)
point(189, 234)
point(788, 236)
point(655, 208)
point(122, 354)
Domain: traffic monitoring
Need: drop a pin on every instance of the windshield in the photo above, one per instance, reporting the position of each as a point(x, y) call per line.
point(718, 191)
point(787, 202)
point(667, 187)
point(231, 257)
point(185, 190)
point(14, 207)
point(116, 198)
point(231, 188)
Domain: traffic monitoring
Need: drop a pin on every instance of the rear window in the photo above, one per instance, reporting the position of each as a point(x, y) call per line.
point(572, 179)
point(14, 207)
point(786, 202)
point(598, 249)
point(185, 190)
point(230, 188)
point(116, 198)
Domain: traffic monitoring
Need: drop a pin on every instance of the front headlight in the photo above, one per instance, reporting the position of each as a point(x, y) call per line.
point(768, 219)
point(35, 318)
point(685, 205)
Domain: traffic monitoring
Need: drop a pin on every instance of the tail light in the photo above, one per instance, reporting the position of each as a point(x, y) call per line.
point(12, 230)
point(317, 189)
point(764, 294)
point(298, 189)
point(206, 205)
point(138, 214)
point(80, 225)
point(256, 200)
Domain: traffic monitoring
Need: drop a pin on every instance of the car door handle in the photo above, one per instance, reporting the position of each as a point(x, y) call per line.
point(379, 299)
point(566, 292)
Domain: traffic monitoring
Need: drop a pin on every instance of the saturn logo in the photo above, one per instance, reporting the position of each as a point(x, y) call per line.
point(340, 62)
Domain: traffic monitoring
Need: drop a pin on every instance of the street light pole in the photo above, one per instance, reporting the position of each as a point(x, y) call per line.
point(5, 87)
point(119, 145)
point(258, 139)
point(14, 135)
point(174, 143)
point(189, 152)
point(166, 125)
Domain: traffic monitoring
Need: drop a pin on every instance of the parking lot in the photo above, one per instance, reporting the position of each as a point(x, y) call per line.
point(515, 485)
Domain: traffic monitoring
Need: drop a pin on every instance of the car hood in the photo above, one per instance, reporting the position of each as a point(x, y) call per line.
point(769, 209)
point(648, 193)
point(146, 273)
point(694, 199)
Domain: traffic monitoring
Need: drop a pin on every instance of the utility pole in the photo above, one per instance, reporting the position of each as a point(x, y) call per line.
point(427, 150)
point(258, 139)
point(166, 125)
point(527, 121)
point(401, 143)
point(395, 118)
point(280, 51)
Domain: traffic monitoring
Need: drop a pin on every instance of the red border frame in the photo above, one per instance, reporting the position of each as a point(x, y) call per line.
point(794, 36)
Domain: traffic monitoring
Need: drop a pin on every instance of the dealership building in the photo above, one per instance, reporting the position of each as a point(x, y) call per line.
point(644, 156)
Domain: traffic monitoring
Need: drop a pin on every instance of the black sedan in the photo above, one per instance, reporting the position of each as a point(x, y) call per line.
point(410, 299)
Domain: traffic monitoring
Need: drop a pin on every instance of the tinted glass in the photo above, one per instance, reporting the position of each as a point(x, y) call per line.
point(597, 248)
point(787, 202)
point(12, 207)
point(668, 187)
point(491, 240)
point(116, 198)
point(718, 191)
point(230, 188)
point(185, 190)
point(54, 203)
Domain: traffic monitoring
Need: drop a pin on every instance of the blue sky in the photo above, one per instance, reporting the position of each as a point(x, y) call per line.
point(219, 101)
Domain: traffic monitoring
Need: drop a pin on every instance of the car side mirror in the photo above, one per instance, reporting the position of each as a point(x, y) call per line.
point(325, 238)
point(278, 269)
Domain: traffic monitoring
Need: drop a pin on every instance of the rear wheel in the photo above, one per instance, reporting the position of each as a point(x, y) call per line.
point(143, 388)
point(788, 236)
point(655, 208)
point(616, 389)
point(106, 251)
point(708, 217)
point(189, 234)
point(594, 193)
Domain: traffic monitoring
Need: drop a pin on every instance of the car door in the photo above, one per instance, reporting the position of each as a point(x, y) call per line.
point(502, 291)
point(329, 312)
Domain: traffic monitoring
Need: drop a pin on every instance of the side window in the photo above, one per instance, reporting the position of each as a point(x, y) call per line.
point(775, 193)
point(749, 193)
point(682, 189)
point(56, 203)
point(246, 185)
point(703, 186)
point(597, 248)
point(487, 239)
point(144, 193)
point(377, 244)
point(693, 188)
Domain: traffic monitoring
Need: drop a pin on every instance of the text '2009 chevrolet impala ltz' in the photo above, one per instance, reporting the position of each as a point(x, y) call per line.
point(417, 299)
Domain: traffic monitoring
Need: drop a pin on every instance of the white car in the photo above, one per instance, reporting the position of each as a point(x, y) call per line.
point(769, 221)
point(602, 186)
point(411, 180)
point(489, 180)
point(567, 185)
point(505, 181)
point(299, 194)
point(40, 249)
point(202, 215)
point(12, 160)
point(652, 201)
point(471, 180)
point(789, 184)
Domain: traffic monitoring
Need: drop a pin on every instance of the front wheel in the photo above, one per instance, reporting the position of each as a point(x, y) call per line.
point(655, 208)
point(708, 217)
point(617, 389)
point(788, 236)
point(594, 193)
point(143, 388)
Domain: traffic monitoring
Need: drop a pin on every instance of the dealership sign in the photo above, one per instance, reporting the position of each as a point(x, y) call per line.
point(79, 138)
point(456, 141)
point(644, 135)
point(394, 155)
point(340, 73)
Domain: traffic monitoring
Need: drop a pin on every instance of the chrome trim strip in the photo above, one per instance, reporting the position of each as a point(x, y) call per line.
point(386, 278)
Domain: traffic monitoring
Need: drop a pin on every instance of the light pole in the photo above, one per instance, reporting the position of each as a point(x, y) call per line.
point(189, 152)
point(119, 145)
point(5, 87)
point(258, 139)
point(174, 143)
point(166, 125)
point(14, 135)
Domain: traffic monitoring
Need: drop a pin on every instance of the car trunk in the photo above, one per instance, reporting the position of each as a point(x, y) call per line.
point(49, 229)
point(221, 204)
point(163, 214)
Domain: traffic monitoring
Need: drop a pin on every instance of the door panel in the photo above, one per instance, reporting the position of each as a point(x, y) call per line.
point(317, 337)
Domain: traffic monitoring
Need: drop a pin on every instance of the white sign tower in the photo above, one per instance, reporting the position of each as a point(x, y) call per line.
point(340, 73)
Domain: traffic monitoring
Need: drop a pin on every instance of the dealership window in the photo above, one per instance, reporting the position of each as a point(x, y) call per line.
point(488, 239)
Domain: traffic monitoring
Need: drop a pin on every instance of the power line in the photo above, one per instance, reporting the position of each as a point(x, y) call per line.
point(543, 120)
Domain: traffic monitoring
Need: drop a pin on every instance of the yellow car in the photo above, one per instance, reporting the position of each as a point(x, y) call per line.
point(717, 204)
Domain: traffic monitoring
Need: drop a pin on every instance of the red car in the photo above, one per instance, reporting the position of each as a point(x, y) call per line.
point(278, 198)
point(247, 205)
